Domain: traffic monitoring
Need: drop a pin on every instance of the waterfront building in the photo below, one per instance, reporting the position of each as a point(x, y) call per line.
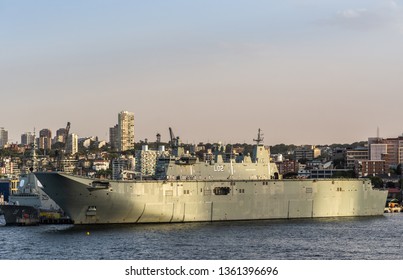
point(351, 155)
point(100, 164)
point(146, 160)
point(286, 166)
point(364, 168)
point(307, 152)
point(68, 165)
point(400, 150)
point(122, 167)
point(318, 164)
point(9, 166)
point(125, 131)
point(304, 173)
point(338, 154)
point(394, 151)
point(378, 151)
point(88, 142)
point(3, 137)
point(326, 173)
point(389, 149)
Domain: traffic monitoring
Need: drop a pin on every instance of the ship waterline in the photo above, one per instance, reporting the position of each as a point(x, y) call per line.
point(164, 201)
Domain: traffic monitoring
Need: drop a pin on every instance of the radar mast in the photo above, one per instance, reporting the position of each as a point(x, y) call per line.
point(259, 137)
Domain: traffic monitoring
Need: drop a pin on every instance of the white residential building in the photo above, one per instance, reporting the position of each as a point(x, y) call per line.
point(72, 144)
point(125, 131)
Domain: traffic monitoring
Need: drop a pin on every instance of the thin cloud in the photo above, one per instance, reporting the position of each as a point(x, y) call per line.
point(389, 15)
point(351, 14)
point(361, 19)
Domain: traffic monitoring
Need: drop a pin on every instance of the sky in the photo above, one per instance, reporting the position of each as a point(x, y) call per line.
point(303, 71)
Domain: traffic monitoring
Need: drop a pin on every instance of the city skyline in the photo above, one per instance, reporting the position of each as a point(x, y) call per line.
point(166, 139)
point(303, 72)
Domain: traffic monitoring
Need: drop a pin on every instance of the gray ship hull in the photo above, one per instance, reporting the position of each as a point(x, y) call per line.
point(20, 215)
point(158, 201)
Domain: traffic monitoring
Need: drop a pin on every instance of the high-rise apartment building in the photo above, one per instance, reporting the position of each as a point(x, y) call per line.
point(3, 137)
point(72, 144)
point(125, 131)
point(390, 150)
point(60, 134)
point(45, 139)
point(378, 151)
point(146, 160)
point(113, 137)
point(306, 152)
point(370, 167)
point(352, 155)
point(123, 168)
point(27, 138)
point(400, 150)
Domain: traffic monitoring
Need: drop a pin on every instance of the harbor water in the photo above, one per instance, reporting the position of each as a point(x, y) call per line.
point(362, 238)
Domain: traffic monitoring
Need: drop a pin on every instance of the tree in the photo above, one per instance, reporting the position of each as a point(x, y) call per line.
point(377, 182)
point(290, 175)
point(399, 169)
point(344, 174)
point(390, 185)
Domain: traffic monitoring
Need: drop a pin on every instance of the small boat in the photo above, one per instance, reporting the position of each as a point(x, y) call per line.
point(393, 206)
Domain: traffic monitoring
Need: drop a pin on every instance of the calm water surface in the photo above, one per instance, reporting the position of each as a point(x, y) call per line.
point(378, 238)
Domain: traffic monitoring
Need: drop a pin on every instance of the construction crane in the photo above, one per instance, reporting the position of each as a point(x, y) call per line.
point(171, 134)
point(66, 134)
point(174, 141)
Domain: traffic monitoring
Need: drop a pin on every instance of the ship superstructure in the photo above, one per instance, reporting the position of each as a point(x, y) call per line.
point(185, 189)
point(28, 201)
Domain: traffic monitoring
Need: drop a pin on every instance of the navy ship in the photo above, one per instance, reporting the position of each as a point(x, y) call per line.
point(28, 204)
point(185, 189)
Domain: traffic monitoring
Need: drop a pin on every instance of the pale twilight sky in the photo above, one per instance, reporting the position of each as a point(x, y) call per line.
point(305, 72)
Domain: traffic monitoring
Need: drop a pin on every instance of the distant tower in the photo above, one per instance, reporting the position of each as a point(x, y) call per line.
point(113, 137)
point(125, 131)
point(3, 137)
point(45, 139)
point(72, 144)
point(33, 154)
point(27, 138)
point(158, 138)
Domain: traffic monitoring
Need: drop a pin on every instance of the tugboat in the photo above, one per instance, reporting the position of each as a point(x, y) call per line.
point(393, 206)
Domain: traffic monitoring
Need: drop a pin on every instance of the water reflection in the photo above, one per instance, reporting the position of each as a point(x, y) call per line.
point(327, 238)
